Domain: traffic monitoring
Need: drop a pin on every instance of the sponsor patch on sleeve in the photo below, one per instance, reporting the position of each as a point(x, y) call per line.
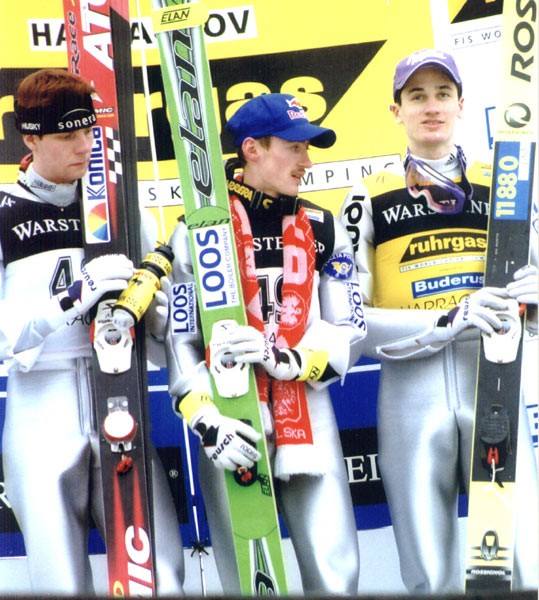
point(357, 314)
point(314, 214)
point(339, 266)
point(183, 310)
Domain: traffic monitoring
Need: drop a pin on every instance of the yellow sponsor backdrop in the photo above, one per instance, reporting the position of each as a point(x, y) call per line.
point(337, 57)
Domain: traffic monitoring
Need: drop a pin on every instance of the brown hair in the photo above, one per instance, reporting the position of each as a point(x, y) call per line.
point(264, 141)
point(44, 87)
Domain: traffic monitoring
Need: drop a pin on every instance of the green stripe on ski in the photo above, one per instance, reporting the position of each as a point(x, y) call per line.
point(188, 87)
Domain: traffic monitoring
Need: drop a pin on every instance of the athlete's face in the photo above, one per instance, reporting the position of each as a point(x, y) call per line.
point(277, 169)
point(61, 157)
point(428, 110)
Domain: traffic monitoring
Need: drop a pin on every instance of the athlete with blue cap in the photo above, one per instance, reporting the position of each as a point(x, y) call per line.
point(305, 330)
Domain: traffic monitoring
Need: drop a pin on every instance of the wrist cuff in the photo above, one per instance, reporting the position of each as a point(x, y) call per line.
point(191, 403)
point(313, 364)
point(447, 319)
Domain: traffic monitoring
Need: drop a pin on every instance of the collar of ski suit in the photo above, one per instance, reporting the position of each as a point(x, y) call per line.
point(57, 194)
point(255, 200)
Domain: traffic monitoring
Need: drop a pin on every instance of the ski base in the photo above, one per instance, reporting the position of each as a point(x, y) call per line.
point(490, 551)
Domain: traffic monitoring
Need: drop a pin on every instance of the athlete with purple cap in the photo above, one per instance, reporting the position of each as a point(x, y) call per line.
point(419, 232)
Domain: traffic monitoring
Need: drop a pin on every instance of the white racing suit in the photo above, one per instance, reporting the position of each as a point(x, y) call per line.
point(50, 440)
point(317, 510)
point(414, 266)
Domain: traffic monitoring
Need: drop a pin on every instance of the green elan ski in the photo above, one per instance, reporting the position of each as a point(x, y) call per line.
point(188, 90)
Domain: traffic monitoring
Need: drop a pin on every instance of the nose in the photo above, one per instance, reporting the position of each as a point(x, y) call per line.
point(305, 159)
point(432, 104)
point(83, 141)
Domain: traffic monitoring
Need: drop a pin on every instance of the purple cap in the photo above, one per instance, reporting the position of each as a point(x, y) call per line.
point(425, 58)
point(280, 115)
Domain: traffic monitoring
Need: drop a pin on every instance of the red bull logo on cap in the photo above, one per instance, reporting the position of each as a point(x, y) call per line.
point(299, 113)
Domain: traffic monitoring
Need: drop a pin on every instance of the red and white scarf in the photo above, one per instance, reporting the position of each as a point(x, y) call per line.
point(295, 451)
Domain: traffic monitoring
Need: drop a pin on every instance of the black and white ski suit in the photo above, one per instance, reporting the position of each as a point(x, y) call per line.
point(317, 509)
point(50, 440)
point(414, 266)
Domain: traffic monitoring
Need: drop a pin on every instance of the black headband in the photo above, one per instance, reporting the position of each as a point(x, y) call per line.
point(69, 113)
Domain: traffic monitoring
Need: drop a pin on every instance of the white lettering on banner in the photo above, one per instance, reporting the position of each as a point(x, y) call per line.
point(344, 173)
point(362, 468)
point(477, 37)
point(142, 37)
point(165, 192)
point(223, 25)
point(228, 24)
point(3, 497)
point(323, 176)
point(46, 35)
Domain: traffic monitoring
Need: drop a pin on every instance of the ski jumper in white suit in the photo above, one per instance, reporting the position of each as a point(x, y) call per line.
point(415, 265)
point(50, 439)
point(317, 509)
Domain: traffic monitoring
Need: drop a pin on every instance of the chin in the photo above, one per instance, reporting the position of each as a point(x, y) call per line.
point(293, 191)
point(77, 175)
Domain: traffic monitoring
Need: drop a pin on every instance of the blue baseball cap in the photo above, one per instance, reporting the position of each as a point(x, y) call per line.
point(280, 115)
point(425, 58)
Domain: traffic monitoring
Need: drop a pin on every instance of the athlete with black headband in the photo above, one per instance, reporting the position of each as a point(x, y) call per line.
point(419, 234)
point(50, 438)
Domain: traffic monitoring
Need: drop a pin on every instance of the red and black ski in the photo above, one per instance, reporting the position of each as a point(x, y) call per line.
point(99, 49)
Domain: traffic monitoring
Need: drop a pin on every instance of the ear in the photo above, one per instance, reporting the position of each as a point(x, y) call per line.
point(461, 107)
point(395, 109)
point(249, 147)
point(29, 141)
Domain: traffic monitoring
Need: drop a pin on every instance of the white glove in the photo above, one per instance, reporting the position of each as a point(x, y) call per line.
point(228, 443)
point(478, 310)
point(525, 287)
point(107, 273)
point(156, 317)
point(248, 345)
